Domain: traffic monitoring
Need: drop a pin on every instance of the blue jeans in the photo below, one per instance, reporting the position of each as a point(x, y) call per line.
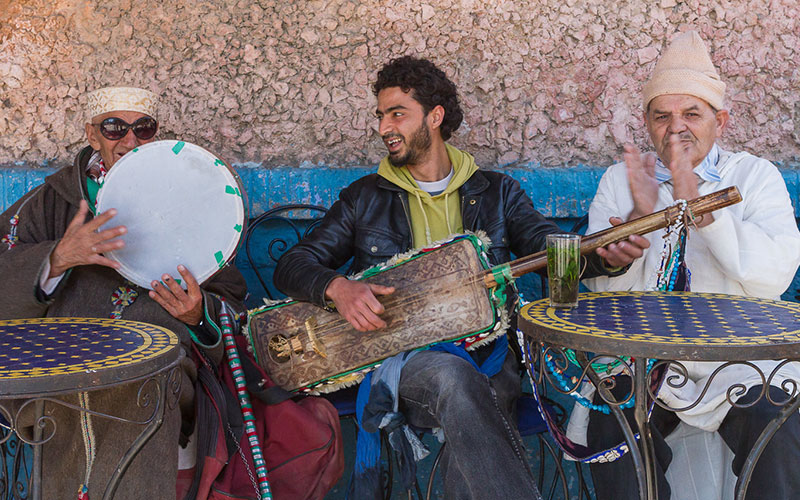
point(484, 457)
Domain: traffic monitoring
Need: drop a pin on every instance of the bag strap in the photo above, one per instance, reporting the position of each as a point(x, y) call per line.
point(255, 384)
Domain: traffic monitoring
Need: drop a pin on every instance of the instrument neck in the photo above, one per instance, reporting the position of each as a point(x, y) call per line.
point(643, 225)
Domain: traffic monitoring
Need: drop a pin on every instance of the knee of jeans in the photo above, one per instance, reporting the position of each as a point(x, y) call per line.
point(457, 373)
point(459, 383)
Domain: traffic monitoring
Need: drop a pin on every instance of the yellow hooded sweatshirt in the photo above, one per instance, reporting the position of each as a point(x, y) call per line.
point(433, 218)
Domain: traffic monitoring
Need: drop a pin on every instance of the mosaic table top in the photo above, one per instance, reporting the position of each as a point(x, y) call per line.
point(670, 325)
point(45, 355)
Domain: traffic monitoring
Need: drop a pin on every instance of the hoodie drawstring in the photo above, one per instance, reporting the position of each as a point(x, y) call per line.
point(425, 216)
point(447, 214)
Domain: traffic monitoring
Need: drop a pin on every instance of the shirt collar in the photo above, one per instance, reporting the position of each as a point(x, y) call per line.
point(707, 170)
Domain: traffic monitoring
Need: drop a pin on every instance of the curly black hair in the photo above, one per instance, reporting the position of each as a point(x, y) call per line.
point(429, 86)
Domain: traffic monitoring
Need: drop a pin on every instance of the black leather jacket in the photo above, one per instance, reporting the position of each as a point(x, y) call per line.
point(370, 222)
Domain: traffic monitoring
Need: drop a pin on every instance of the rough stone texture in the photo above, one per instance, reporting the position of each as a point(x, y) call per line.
point(543, 82)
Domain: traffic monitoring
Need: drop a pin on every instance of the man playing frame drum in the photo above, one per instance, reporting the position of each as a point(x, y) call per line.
point(752, 249)
point(53, 265)
point(424, 191)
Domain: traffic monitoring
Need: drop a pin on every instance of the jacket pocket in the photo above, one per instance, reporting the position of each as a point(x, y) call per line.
point(498, 250)
point(375, 245)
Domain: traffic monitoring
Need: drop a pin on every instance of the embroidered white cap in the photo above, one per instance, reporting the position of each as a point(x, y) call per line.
point(110, 99)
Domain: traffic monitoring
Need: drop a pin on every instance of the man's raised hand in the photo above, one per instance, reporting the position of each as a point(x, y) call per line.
point(642, 181)
point(82, 244)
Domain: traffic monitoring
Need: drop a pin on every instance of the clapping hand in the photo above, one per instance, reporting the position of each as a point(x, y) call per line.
point(641, 170)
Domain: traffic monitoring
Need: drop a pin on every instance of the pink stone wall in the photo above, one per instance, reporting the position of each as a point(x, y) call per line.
point(288, 81)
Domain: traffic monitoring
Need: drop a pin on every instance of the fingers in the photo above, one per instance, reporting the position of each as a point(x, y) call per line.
point(107, 234)
point(103, 245)
point(639, 241)
point(381, 290)
point(372, 301)
point(80, 217)
point(650, 164)
point(624, 252)
point(632, 150)
point(365, 320)
point(182, 305)
point(165, 294)
point(632, 157)
point(615, 221)
point(192, 287)
point(356, 302)
point(100, 220)
point(365, 311)
point(104, 261)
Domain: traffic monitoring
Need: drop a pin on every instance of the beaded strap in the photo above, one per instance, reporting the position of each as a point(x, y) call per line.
point(244, 402)
point(672, 252)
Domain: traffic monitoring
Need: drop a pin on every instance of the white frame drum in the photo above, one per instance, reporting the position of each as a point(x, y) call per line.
point(180, 204)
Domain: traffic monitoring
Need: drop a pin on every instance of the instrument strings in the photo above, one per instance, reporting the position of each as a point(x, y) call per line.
point(340, 323)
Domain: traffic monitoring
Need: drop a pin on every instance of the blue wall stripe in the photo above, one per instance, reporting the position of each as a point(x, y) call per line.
point(559, 192)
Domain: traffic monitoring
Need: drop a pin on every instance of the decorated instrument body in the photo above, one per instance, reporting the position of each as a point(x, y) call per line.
point(437, 298)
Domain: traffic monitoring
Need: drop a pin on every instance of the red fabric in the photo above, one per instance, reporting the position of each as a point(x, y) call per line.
point(301, 443)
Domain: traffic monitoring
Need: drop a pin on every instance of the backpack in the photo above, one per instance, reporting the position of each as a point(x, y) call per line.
point(301, 440)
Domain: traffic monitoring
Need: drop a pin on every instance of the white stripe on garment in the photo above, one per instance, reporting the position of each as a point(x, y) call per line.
point(707, 170)
point(701, 465)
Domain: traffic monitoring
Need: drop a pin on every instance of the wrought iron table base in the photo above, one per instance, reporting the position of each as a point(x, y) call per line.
point(160, 389)
point(643, 453)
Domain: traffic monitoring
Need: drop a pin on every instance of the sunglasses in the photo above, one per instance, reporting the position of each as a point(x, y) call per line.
point(115, 129)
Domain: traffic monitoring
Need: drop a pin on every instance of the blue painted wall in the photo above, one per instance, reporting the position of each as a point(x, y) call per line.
point(561, 193)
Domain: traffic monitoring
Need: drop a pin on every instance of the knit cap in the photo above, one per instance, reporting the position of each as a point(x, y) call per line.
point(686, 68)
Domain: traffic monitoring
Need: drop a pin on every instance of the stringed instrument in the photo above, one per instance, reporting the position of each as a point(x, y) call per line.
point(446, 293)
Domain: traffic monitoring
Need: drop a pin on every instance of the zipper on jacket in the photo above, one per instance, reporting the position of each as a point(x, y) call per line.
point(464, 219)
point(408, 216)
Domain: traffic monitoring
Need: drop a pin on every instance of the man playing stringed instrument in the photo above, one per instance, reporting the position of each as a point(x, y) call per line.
point(751, 249)
point(424, 191)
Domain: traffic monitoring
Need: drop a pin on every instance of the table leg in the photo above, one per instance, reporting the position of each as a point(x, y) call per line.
point(642, 422)
point(35, 487)
point(743, 480)
point(639, 465)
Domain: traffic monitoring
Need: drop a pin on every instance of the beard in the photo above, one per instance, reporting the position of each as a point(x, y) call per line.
point(416, 149)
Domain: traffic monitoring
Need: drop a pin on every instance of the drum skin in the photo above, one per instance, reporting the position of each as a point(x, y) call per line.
point(180, 205)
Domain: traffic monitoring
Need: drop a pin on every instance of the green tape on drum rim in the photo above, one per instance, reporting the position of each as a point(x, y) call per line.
point(220, 259)
point(178, 147)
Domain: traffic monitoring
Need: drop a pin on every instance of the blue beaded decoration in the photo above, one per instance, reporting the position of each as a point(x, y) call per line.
point(562, 383)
